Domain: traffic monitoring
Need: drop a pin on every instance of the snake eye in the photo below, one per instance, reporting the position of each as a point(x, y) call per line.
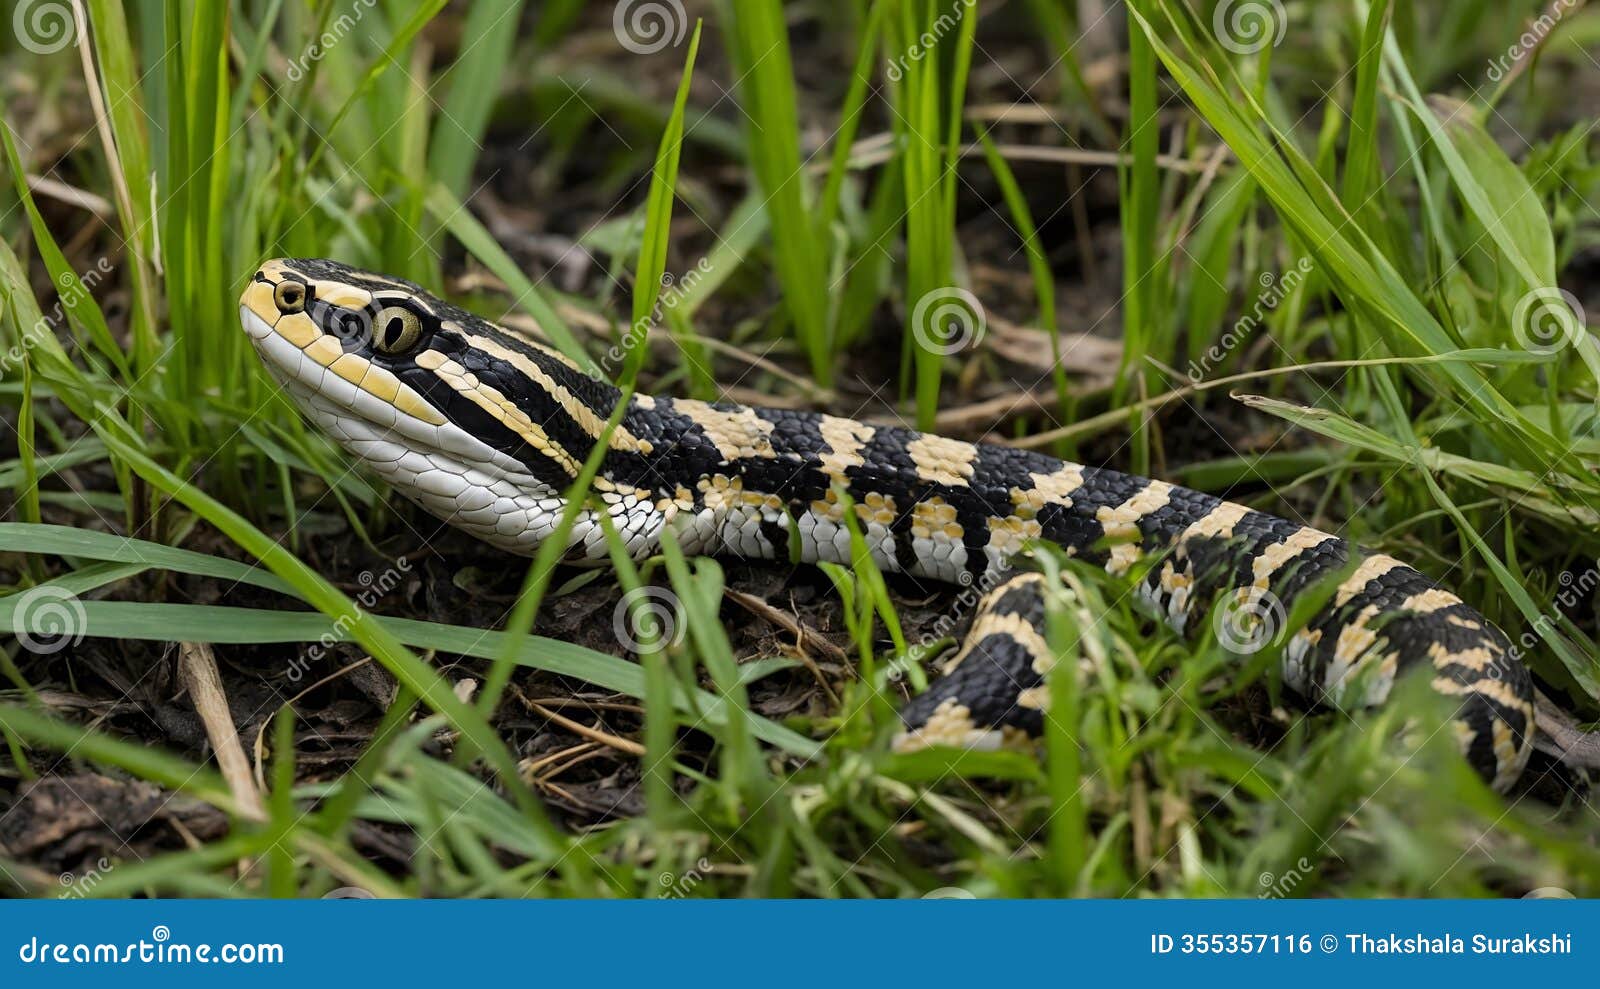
point(396, 330)
point(290, 297)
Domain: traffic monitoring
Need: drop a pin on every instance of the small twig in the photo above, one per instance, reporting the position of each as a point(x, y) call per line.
point(1558, 734)
point(593, 734)
point(1106, 420)
point(197, 670)
point(990, 412)
point(530, 767)
point(761, 609)
point(72, 196)
point(879, 148)
point(591, 750)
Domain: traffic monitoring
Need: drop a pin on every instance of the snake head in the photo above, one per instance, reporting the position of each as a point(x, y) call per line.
point(458, 414)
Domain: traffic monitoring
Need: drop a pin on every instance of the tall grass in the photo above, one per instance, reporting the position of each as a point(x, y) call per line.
point(758, 44)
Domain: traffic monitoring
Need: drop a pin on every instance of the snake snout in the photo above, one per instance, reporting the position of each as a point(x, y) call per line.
point(382, 405)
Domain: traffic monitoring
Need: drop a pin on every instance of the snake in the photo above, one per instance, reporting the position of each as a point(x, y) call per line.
point(489, 429)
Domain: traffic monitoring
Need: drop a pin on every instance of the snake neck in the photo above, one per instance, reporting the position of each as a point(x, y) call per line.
point(776, 483)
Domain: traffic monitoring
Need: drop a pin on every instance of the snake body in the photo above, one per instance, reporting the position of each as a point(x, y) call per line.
point(487, 430)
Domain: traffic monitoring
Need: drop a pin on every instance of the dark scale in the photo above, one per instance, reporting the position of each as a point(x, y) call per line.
point(1164, 525)
point(987, 683)
point(682, 455)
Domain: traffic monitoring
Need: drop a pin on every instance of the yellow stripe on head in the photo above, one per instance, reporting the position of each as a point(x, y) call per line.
point(490, 400)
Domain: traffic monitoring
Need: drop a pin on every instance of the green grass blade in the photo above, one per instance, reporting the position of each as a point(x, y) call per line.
point(758, 45)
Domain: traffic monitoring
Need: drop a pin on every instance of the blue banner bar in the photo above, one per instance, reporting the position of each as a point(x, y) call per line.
point(775, 944)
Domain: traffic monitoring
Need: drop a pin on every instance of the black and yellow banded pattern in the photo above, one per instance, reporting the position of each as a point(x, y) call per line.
point(487, 430)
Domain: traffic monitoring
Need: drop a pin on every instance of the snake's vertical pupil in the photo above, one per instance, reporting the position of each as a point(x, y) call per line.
point(397, 330)
point(393, 330)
